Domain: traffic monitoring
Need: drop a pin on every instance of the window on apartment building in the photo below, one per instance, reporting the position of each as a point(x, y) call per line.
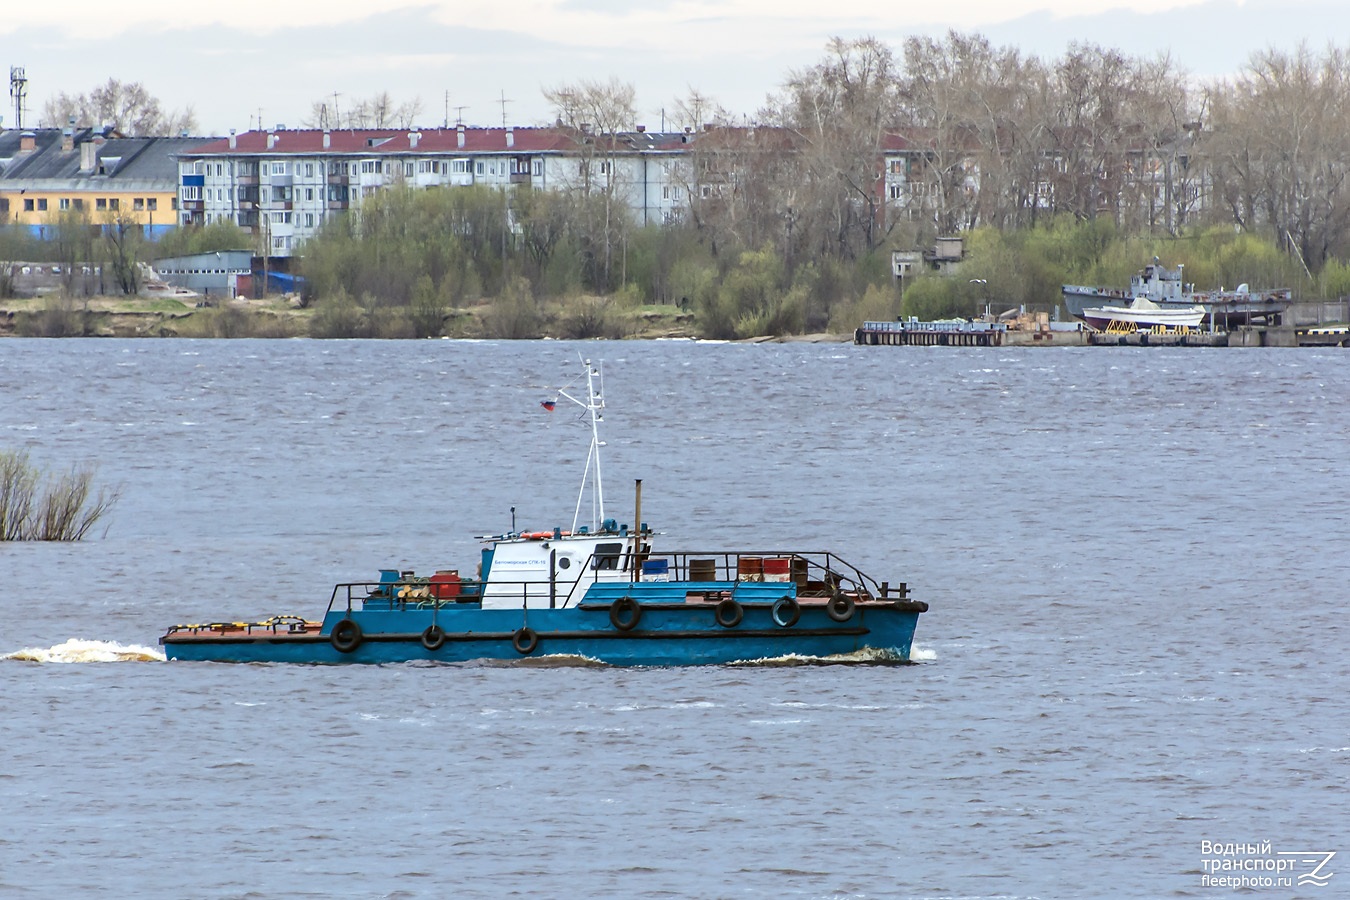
point(896, 167)
point(461, 167)
point(220, 169)
point(28, 205)
point(138, 204)
point(248, 168)
point(281, 194)
point(42, 204)
point(369, 166)
point(78, 203)
point(309, 170)
point(408, 169)
point(895, 192)
point(65, 203)
point(309, 194)
point(278, 168)
point(538, 168)
point(114, 203)
point(152, 203)
point(192, 192)
point(4, 206)
point(309, 220)
point(604, 167)
point(425, 167)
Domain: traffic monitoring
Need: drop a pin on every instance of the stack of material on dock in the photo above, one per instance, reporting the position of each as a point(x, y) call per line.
point(912, 332)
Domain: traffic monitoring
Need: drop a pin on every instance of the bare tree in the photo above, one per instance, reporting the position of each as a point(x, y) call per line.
point(126, 107)
point(122, 242)
point(596, 113)
point(1279, 149)
point(377, 111)
point(842, 107)
point(935, 119)
point(696, 110)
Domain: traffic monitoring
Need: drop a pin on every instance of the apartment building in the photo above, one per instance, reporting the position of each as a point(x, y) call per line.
point(283, 184)
point(97, 175)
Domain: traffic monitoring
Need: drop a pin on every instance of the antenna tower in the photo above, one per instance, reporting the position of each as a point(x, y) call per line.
point(18, 89)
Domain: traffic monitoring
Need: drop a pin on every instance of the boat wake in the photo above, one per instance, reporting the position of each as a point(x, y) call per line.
point(563, 661)
point(922, 654)
point(865, 657)
point(79, 651)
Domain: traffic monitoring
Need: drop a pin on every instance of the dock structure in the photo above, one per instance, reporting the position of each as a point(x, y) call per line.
point(1324, 336)
point(913, 333)
point(1148, 338)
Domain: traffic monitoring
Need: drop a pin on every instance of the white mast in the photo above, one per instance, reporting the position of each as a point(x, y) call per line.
point(594, 405)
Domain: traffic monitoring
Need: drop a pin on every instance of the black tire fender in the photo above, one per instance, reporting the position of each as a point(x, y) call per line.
point(525, 640)
point(433, 638)
point(729, 613)
point(346, 636)
point(841, 606)
point(786, 612)
point(625, 613)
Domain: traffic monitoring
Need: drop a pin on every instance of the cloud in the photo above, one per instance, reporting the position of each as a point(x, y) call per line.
point(235, 75)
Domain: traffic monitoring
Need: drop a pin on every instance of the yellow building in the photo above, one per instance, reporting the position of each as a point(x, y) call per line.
point(47, 174)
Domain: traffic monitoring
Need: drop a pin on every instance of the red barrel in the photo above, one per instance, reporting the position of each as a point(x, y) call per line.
point(750, 568)
point(777, 568)
point(445, 584)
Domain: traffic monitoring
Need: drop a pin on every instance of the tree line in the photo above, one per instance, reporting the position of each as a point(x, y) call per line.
point(1075, 169)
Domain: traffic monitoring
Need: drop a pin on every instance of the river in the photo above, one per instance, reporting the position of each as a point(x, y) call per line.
point(1136, 562)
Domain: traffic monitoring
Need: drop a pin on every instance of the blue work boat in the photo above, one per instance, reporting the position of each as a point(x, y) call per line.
point(602, 592)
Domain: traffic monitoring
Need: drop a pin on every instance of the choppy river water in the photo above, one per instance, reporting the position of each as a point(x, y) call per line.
point(1136, 561)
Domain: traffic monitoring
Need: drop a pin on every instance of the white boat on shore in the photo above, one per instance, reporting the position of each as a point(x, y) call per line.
point(1144, 314)
point(1166, 287)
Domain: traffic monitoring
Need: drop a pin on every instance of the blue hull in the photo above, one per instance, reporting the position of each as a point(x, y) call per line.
point(666, 635)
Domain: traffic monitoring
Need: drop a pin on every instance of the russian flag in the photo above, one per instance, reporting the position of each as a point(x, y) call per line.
point(548, 404)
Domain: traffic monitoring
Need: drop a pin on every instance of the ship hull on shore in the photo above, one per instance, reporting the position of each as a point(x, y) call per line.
point(1163, 286)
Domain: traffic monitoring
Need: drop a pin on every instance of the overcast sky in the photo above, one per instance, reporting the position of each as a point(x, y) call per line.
point(240, 62)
